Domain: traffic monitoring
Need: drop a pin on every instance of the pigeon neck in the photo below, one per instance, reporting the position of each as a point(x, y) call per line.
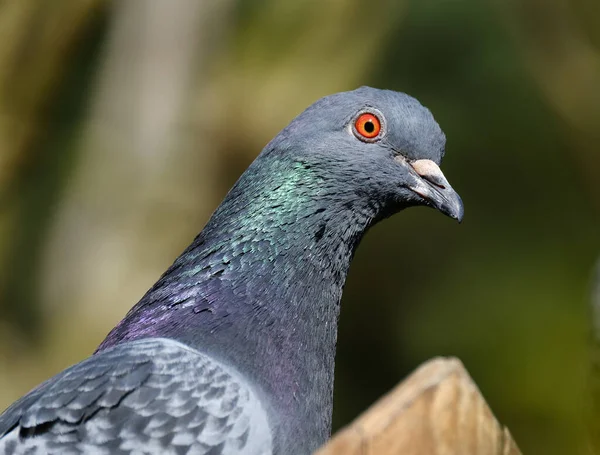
point(260, 286)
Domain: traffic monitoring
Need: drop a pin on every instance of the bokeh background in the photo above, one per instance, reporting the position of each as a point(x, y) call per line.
point(122, 125)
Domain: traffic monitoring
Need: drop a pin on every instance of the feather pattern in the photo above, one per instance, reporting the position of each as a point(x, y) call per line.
point(151, 396)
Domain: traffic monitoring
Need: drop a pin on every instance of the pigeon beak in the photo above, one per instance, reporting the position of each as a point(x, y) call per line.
point(431, 185)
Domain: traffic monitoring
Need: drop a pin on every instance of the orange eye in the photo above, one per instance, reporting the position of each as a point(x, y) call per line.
point(367, 125)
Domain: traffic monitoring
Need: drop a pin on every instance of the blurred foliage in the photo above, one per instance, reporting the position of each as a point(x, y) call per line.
point(39, 41)
point(123, 125)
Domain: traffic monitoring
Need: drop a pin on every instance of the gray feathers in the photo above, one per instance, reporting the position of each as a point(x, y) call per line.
point(153, 396)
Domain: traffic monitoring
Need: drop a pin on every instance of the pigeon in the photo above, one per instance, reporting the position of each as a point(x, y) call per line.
point(232, 350)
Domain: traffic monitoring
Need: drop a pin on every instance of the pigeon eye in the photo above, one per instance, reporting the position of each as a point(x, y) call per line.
point(367, 127)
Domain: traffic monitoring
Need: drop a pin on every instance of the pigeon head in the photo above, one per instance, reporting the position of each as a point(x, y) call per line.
point(380, 145)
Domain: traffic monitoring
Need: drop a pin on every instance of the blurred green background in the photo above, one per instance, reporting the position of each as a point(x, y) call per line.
point(123, 125)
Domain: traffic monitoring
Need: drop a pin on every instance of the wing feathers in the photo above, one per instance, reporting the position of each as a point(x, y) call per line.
point(148, 396)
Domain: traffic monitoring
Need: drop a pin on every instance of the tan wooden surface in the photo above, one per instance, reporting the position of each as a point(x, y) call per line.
point(437, 410)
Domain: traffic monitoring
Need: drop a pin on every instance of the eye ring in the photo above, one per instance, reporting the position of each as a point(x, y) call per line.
point(368, 126)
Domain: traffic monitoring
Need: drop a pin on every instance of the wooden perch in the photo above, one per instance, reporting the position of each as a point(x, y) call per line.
point(438, 410)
